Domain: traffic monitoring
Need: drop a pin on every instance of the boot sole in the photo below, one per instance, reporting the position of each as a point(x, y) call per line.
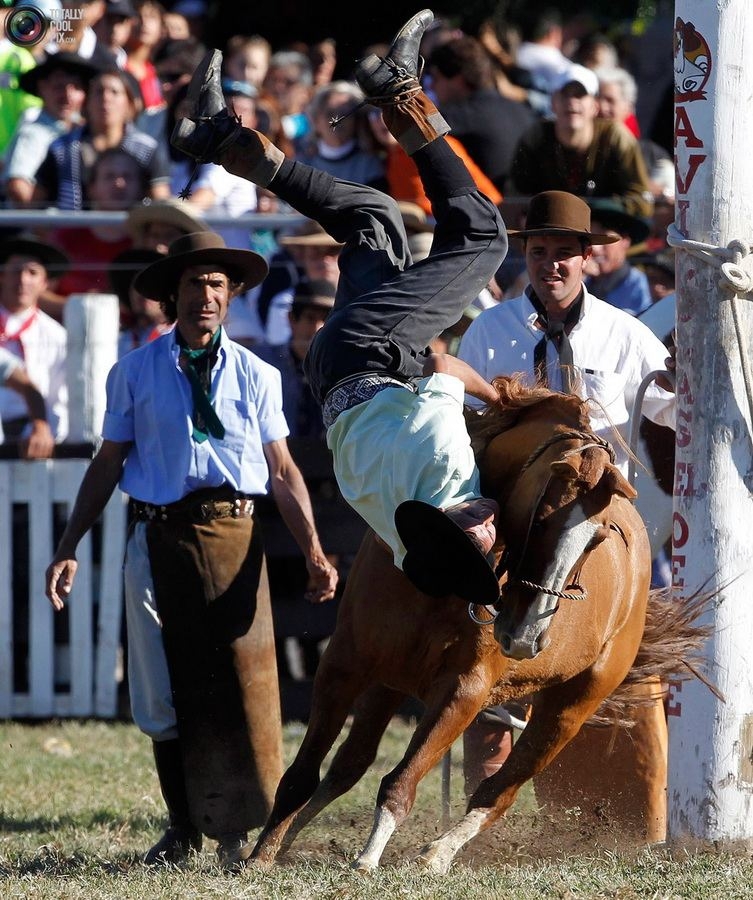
point(210, 62)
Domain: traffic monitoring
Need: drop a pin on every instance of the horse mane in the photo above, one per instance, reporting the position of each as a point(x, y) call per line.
point(516, 397)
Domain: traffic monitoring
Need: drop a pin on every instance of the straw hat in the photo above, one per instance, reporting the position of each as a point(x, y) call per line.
point(309, 234)
point(180, 214)
point(159, 280)
point(559, 212)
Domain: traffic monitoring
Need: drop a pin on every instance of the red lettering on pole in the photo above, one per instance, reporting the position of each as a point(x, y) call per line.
point(684, 130)
point(683, 184)
point(677, 565)
point(673, 707)
point(684, 473)
point(680, 531)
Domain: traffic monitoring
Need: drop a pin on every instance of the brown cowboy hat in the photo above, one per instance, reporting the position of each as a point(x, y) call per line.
point(25, 244)
point(441, 559)
point(309, 234)
point(159, 280)
point(559, 212)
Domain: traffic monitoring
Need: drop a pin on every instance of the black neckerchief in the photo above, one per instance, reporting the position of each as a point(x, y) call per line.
point(198, 364)
point(557, 332)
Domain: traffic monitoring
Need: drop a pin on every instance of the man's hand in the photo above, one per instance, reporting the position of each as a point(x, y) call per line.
point(59, 581)
point(322, 581)
point(40, 442)
point(668, 381)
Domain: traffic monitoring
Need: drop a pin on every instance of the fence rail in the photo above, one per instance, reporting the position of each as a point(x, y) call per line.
point(44, 673)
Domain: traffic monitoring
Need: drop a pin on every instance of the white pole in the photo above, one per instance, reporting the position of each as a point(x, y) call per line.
point(92, 323)
point(710, 762)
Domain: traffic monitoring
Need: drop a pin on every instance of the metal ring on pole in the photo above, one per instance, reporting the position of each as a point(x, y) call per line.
point(635, 420)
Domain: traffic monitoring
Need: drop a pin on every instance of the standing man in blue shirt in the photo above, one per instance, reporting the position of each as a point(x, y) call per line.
point(193, 430)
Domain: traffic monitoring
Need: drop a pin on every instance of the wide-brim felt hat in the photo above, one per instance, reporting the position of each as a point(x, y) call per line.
point(441, 559)
point(309, 234)
point(159, 280)
point(24, 244)
point(65, 60)
point(611, 214)
point(178, 213)
point(560, 213)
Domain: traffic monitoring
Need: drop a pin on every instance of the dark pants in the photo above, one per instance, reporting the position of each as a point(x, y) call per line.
point(387, 311)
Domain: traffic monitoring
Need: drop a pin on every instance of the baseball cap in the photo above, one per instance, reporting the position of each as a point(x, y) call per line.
point(586, 78)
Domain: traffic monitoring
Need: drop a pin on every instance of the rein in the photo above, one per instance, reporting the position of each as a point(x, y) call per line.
point(579, 593)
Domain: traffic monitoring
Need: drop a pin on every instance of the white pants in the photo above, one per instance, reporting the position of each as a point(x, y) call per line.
point(148, 676)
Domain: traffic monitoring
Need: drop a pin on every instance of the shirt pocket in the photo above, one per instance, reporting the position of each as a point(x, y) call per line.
point(607, 389)
point(241, 428)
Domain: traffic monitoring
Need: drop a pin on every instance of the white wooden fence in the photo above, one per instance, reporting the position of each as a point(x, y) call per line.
point(74, 675)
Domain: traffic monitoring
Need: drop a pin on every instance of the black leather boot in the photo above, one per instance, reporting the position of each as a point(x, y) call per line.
point(180, 837)
point(392, 82)
point(398, 71)
point(211, 130)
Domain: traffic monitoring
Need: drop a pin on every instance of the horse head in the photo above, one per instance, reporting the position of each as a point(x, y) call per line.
point(555, 481)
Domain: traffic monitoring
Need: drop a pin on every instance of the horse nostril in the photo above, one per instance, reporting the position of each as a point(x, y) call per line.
point(506, 643)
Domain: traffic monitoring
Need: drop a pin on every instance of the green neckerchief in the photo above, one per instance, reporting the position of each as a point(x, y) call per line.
point(197, 364)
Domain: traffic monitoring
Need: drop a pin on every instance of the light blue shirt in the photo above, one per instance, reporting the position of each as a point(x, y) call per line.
point(149, 403)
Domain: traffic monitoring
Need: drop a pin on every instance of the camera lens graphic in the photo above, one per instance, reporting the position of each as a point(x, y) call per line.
point(26, 26)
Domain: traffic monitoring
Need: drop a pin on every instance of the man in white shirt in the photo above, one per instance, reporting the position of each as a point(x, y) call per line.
point(612, 352)
point(30, 334)
point(39, 443)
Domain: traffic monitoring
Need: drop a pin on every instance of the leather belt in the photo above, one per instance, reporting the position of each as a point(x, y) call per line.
point(357, 389)
point(195, 511)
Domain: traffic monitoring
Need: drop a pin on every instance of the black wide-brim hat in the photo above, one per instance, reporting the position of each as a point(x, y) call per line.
point(26, 244)
point(560, 213)
point(160, 279)
point(65, 60)
point(611, 214)
point(441, 559)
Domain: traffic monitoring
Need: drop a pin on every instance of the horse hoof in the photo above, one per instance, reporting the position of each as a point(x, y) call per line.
point(431, 858)
point(362, 865)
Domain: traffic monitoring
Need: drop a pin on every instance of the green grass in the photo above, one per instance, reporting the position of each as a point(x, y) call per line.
point(80, 804)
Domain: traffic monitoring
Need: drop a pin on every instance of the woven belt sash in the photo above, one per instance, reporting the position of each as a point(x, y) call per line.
point(358, 389)
point(195, 511)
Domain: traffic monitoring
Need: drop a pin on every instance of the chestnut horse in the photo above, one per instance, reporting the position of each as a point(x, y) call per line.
point(571, 619)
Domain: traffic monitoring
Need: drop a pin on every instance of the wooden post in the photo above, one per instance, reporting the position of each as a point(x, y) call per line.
point(710, 764)
point(92, 322)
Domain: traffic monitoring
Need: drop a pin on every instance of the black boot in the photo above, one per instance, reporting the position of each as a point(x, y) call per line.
point(181, 836)
point(398, 71)
point(210, 127)
point(392, 82)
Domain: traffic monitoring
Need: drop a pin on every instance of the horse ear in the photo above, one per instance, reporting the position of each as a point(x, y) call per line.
point(618, 484)
point(565, 469)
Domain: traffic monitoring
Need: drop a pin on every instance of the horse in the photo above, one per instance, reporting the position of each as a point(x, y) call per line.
point(569, 623)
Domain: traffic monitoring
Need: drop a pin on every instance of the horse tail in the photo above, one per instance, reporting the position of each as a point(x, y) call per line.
point(671, 650)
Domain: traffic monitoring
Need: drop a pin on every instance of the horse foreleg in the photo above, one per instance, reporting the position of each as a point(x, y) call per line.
point(371, 716)
point(438, 728)
point(552, 725)
point(335, 689)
